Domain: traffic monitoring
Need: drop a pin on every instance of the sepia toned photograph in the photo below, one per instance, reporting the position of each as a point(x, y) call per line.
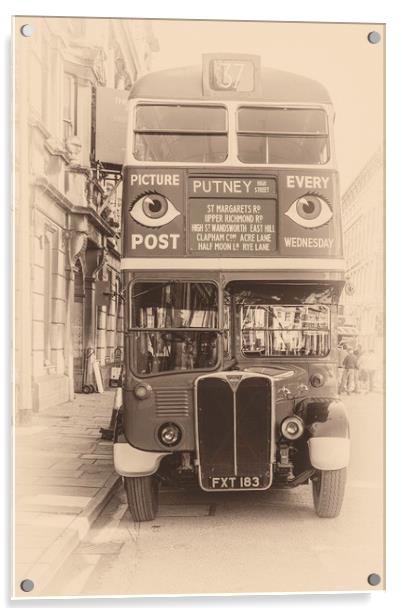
point(199, 364)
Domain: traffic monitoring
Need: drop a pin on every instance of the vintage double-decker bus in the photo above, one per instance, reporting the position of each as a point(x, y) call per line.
point(232, 261)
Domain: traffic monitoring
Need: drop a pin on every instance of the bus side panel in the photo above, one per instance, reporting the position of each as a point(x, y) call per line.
point(171, 399)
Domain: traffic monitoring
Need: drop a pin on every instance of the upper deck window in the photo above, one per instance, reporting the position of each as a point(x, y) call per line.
point(181, 133)
point(282, 136)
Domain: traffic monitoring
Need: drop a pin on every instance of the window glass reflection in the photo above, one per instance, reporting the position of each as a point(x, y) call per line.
point(175, 351)
point(285, 330)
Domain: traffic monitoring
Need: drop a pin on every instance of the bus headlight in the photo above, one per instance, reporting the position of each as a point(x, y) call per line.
point(292, 427)
point(142, 391)
point(169, 434)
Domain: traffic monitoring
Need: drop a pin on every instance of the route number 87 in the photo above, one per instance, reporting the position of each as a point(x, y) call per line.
point(227, 75)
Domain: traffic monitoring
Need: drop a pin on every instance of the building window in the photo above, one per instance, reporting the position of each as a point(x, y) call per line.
point(70, 91)
point(49, 246)
point(47, 298)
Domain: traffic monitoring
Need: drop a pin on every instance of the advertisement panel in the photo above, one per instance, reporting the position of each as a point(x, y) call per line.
point(182, 213)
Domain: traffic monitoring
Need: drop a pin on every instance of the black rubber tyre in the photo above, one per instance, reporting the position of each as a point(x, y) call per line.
point(328, 492)
point(86, 389)
point(142, 497)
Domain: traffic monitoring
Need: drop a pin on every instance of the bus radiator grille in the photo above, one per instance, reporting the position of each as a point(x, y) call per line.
point(234, 427)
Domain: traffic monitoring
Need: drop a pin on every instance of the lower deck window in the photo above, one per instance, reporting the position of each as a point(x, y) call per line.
point(175, 326)
point(277, 331)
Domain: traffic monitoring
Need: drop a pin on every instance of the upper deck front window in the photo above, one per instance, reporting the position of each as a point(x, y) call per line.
point(282, 136)
point(181, 133)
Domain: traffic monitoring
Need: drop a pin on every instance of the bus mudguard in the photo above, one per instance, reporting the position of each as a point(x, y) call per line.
point(328, 425)
point(132, 462)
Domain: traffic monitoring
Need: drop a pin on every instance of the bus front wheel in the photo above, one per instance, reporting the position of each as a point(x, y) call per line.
point(328, 492)
point(142, 497)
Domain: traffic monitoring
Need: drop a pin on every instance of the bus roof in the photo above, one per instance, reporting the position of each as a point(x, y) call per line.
point(187, 83)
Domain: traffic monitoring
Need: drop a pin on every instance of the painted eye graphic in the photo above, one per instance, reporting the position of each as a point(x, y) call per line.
point(310, 211)
point(153, 210)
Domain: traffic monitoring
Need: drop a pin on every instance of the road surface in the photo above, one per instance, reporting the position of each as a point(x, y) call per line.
point(242, 542)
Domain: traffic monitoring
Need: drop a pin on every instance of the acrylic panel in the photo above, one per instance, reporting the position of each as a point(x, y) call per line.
point(199, 307)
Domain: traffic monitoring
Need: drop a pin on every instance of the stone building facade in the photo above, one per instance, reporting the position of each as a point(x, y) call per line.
point(68, 295)
point(364, 244)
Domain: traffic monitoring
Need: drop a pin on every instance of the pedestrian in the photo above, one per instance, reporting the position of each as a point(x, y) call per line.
point(371, 367)
point(363, 373)
point(342, 352)
point(357, 352)
point(348, 376)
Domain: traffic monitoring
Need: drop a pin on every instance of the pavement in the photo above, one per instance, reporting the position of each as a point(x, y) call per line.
point(64, 477)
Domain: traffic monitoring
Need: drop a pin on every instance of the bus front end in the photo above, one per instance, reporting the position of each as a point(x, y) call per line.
point(233, 271)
